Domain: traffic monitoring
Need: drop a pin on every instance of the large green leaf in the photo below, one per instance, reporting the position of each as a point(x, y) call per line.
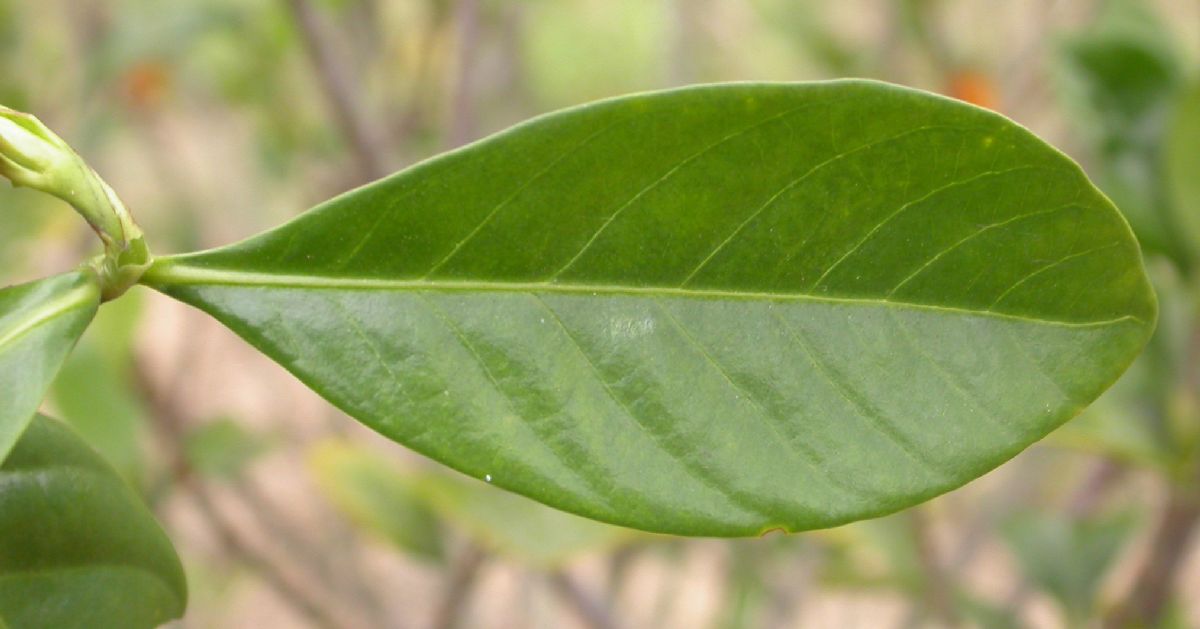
point(39, 324)
point(709, 311)
point(77, 546)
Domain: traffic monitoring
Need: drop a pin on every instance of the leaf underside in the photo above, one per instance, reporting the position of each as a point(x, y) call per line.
point(709, 311)
point(77, 546)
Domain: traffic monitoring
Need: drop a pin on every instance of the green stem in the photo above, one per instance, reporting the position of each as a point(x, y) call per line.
point(33, 156)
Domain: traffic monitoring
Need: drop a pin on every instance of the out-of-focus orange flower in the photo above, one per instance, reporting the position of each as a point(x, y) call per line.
point(146, 84)
point(974, 87)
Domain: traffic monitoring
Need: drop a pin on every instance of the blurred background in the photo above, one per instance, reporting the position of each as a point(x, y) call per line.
point(216, 119)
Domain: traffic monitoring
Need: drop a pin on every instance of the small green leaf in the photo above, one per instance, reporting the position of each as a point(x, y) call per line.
point(708, 311)
point(77, 546)
point(39, 324)
point(379, 496)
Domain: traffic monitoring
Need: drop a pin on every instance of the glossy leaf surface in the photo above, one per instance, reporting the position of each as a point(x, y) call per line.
point(708, 311)
point(77, 546)
point(39, 324)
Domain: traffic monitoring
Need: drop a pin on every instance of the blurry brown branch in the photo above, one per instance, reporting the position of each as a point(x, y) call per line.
point(457, 590)
point(414, 114)
point(257, 502)
point(349, 112)
point(163, 400)
point(1090, 496)
point(1154, 584)
point(171, 424)
point(588, 608)
point(685, 41)
point(462, 128)
point(1084, 502)
point(939, 590)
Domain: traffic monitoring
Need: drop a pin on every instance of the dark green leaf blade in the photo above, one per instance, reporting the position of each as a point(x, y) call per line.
point(77, 546)
point(39, 324)
point(708, 311)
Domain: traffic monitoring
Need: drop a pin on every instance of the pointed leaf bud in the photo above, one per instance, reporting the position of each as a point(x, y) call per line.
point(33, 156)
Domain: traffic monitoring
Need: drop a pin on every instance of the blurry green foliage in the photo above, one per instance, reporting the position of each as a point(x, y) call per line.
point(29, 216)
point(808, 31)
point(754, 567)
point(11, 92)
point(879, 553)
point(516, 526)
point(1068, 558)
point(222, 449)
point(1119, 79)
point(582, 50)
point(1123, 79)
point(986, 615)
point(394, 502)
point(375, 494)
point(94, 391)
point(1182, 146)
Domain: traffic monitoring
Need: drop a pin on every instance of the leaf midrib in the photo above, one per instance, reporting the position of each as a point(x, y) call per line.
point(169, 271)
point(46, 312)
